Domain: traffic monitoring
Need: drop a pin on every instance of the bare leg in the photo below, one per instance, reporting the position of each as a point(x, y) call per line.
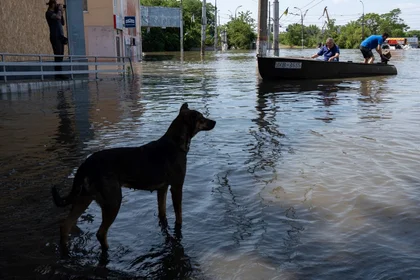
point(371, 60)
point(79, 206)
point(161, 197)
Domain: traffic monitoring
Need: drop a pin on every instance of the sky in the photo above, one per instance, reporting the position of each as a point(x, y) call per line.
point(341, 10)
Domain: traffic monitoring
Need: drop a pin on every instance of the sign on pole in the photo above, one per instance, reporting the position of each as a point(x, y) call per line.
point(160, 17)
point(130, 22)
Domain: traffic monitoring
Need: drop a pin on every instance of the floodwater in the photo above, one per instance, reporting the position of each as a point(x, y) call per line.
point(299, 180)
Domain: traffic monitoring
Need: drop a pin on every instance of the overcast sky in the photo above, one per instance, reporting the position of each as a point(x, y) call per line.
point(341, 10)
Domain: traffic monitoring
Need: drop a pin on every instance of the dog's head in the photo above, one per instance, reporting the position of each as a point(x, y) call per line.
point(195, 121)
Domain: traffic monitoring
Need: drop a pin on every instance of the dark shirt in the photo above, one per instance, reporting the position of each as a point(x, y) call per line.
point(328, 53)
point(55, 25)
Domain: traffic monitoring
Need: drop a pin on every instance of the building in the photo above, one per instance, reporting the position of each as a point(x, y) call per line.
point(105, 31)
point(413, 42)
point(24, 29)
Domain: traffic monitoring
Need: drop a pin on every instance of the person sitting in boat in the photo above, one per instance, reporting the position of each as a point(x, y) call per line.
point(370, 43)
point(330, 51)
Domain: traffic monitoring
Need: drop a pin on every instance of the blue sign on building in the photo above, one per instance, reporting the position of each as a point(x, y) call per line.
point(130, 22)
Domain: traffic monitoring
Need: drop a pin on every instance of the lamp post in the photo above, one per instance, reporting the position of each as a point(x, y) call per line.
point(237, 9)
point(301, 20)
point(363, 20)
point(231, 14)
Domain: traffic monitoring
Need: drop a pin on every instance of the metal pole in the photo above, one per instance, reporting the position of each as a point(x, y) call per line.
point(237, 9)
point(301, 22)
point(363, 20)
point(181, 32)
point(276, 28)
point(262, 28)
point(140, 45)
point(4, 68)
point(42, 68)
point(269, 26)
point(203, 28)
point(96, 68)
point(301, 16)
point(215, 25)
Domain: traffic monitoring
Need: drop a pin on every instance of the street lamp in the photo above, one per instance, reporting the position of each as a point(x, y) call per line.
point(363, 20)
point(237, 9)
point(301, 20)
point(231, 14)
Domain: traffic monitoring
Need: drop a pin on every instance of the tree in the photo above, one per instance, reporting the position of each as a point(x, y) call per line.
point(294, 35)
point(168, 39)
point(240, 31)
point(350, 35)
point(413, 33)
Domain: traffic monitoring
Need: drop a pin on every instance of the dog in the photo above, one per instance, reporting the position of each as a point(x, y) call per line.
point(386, 56)
point(153, 167)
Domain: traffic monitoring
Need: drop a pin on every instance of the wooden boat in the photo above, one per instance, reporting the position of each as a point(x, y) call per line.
point(289, 68)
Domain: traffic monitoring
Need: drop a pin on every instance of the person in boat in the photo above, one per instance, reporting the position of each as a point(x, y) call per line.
point(370, 43)
point(330, 51)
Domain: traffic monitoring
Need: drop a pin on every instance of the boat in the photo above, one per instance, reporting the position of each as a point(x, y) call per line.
point(289, 68)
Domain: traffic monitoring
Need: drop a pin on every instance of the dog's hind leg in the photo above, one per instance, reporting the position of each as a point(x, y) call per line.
point(110, 204)
point(80, 204)
point(161, 197)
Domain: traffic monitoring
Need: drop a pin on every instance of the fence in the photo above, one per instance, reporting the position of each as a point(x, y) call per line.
point(42, 65)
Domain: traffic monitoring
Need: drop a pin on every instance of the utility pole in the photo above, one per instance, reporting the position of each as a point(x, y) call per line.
point(181, 32)
point(363, 20)
point(140, 43)
point(262, 28)
point(301, 21)
point(203, 28)
point(215, 25)
point(269, 26)
point(276, 28)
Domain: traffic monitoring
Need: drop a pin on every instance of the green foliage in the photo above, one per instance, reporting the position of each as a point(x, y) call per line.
point(294, 35)
point(240, 31)
point(349, 35)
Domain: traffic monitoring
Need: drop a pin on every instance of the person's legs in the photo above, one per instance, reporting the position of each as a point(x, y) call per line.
point(58, 49)
point(363, 53)
point(367, 54)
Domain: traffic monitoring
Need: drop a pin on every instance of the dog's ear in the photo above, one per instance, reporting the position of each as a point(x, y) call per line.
point(184, 107)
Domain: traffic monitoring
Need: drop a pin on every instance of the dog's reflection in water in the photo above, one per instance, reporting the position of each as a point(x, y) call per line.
point(165, 261)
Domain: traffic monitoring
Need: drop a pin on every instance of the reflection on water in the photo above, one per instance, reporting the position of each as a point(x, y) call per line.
point(299, 180)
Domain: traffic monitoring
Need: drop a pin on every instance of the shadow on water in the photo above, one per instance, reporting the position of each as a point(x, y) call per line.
point(165, 260)
point(49, 150)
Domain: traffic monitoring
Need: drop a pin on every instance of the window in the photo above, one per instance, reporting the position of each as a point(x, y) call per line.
point(85, 6)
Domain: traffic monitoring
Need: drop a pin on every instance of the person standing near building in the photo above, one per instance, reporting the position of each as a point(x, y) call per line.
point(55, 20)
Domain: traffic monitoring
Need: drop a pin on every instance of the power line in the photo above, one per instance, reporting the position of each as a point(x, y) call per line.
point(308, 4)
point(316, 4)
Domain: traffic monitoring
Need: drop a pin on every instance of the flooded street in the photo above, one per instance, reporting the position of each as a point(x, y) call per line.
point(302, 180)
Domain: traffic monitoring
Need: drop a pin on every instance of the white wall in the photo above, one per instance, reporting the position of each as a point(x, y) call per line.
point(101, 41)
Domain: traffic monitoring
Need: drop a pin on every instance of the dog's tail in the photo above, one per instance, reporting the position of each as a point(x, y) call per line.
point(75, 190)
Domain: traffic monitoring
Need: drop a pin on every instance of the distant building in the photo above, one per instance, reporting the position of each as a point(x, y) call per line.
point(413, 42)
point(105, 31)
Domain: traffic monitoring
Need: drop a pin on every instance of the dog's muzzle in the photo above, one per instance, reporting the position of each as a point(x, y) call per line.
point(210, 124)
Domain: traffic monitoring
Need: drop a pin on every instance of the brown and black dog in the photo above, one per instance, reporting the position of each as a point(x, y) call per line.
point(151, 167)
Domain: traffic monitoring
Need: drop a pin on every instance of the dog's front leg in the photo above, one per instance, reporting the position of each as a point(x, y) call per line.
point(176, 192)
point(161, 197)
